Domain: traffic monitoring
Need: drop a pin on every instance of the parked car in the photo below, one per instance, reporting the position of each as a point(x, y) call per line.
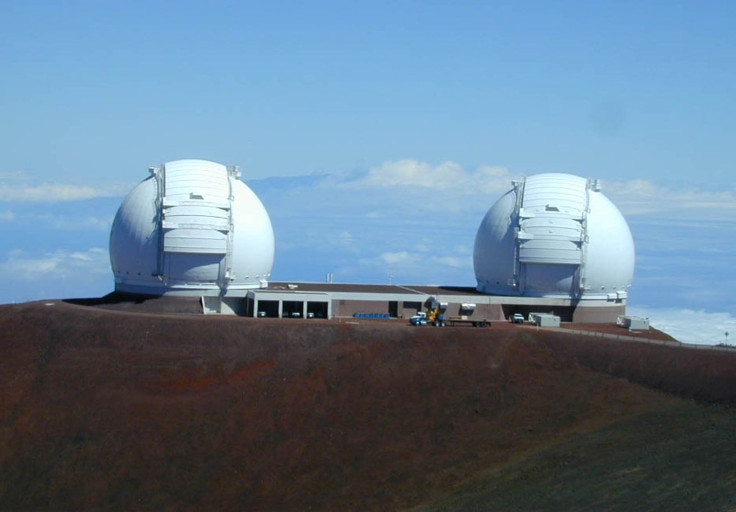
point(517, 318)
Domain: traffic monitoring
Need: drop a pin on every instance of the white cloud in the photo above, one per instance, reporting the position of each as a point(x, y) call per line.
point(638, 197)
point(345, 237)
point(58, 265)
point(396, 258)
point(76, 224)
point(420, 265)
point(393, 190)
point(417, 185)
point(13, 175)
point(453, 261)
point(19, 186)
point(690, 326)
point(411, 173)
point(343, 240)
point(7, 216)
point(49, 192)
point(413, 185)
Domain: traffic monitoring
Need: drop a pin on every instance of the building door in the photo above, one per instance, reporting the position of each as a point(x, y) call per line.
point(393, 308)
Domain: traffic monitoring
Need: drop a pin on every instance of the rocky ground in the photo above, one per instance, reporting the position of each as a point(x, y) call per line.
point(102, 409)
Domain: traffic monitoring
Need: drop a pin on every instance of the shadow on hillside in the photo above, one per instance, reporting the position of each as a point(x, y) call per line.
point(141, 303)
point(110, 298)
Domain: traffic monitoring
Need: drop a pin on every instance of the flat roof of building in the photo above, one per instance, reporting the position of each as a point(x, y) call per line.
point(372, 288)
point(463, 294)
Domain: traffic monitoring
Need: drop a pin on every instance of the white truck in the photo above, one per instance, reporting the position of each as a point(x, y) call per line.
point(517, 318)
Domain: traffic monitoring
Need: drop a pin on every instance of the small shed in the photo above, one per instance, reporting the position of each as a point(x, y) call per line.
point(633, 323)
point(545, 319)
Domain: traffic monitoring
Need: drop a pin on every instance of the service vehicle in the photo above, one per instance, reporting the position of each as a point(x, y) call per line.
point(517, 318)
point(439, 320)
point(464, 320)
point(430, 317)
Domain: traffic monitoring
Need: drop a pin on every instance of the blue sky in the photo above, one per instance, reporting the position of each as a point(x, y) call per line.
point(376, 133)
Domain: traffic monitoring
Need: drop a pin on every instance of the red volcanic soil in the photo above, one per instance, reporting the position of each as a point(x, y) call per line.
point(111, 410)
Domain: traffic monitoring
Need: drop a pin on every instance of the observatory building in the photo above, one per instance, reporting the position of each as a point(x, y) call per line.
point(191, 228)
point(552, 245)
point(554, 235)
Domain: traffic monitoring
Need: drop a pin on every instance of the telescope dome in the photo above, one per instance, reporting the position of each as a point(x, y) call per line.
point(554, 235)
point(191, 228)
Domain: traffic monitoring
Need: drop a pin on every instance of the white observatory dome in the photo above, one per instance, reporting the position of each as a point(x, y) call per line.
point(554, 235)
point(191, 228)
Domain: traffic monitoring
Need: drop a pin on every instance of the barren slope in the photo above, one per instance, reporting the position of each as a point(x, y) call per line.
point(114, 410)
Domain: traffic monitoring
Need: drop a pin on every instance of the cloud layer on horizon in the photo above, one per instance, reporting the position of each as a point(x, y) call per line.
point(18, 187)
point(691, 326)
point(59, 264)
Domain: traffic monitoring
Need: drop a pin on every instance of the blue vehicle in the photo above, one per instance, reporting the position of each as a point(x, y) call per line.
point(433, 318)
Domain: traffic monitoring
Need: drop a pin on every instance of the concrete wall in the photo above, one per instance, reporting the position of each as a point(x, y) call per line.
point(224, 305)
point(233, 305)
point(406, 309)
point(344, 307)
point(286, 303)
point(404, 305)
point(598, 314)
